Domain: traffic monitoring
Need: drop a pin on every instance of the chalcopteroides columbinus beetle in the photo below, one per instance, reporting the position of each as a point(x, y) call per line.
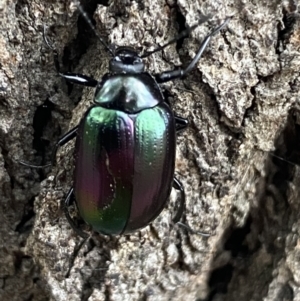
point(125, 142)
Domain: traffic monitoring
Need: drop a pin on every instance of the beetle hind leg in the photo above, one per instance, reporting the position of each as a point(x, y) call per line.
point(66, 203)
point(176, 219)
point(69, 200)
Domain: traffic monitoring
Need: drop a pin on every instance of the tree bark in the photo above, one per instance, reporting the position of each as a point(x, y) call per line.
point(238, 160)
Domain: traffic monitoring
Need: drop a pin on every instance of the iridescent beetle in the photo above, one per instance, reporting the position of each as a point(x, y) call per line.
point(125, 143)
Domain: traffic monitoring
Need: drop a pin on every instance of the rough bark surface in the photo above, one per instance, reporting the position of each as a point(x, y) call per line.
point(238, 160)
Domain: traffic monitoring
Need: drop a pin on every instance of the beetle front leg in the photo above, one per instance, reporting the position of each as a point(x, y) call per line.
point(173, 74)
point(75, 78)
point(69, 200)
point(79, 79)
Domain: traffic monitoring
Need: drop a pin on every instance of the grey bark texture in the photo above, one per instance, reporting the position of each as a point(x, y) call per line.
point(238, 160)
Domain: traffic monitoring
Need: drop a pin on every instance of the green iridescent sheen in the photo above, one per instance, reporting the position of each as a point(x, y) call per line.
point(150, 141)
point(153, 165)
point(110, 219)
point(103, 197)
point(125, 155)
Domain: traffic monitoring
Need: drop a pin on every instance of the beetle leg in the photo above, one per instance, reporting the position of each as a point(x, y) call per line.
point(178, 73)
point(178, 186)
point(74, 78)
point(66, 204)
point(74, 255)
point(181, 123)
point(62, 141)
point(79, 79)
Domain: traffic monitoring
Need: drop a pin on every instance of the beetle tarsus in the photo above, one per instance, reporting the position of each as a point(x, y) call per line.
point(62, 141)
point(74, 255)
point(178, 186)
point(176, 220)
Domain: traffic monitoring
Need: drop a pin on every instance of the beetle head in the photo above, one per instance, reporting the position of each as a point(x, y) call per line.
point(126, 60)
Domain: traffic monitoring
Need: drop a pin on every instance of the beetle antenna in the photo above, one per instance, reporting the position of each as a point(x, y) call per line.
point(181, 35)
point(89, 22)
point(32, 165)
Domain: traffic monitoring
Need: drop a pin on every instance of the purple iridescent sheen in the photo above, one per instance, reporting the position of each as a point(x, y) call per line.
point(125, 161)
